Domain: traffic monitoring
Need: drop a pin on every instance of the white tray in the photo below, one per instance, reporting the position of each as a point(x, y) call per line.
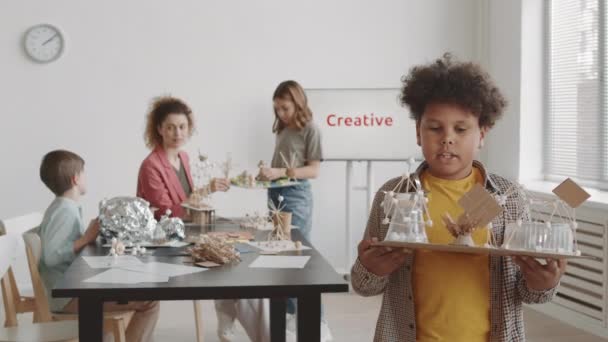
point(479, 250)
point(265, 185)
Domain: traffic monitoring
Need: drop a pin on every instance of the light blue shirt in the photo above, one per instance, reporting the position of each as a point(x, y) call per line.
point(61, 226)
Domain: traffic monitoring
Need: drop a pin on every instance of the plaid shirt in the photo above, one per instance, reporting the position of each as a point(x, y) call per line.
point(508, 290)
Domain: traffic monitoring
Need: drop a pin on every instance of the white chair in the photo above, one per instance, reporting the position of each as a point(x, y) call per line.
point(114, 322)
point(14, 302)
point(46, 332)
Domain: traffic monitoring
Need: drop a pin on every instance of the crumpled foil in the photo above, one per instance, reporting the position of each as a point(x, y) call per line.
point(172, 227)
point(129, 219)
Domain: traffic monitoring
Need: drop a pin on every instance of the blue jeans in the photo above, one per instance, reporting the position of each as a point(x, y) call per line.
point(298, 201)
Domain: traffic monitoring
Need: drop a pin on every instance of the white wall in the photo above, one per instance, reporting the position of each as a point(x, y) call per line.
point(224, 59)
point(504, 65)
point(532, 90)
point(514, 49)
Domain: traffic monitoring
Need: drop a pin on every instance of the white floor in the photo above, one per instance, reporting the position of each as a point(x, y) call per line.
point(352, 318)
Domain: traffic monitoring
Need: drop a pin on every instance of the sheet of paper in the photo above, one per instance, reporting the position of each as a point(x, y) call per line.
point(277, 246)
point(280, 261)
point(122, 276)
point(164, 269)
point(112, 261)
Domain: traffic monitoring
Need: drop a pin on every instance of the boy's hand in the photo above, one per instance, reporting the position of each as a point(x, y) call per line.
point(90, 235)
point(219, 184)
point(379, 260)
point(540, 277)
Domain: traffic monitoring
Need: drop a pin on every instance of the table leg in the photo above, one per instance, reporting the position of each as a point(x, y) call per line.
point(277, 319)
point(309, 317)
point(90, 319)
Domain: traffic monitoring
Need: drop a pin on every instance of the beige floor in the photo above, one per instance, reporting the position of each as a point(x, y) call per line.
point(352, 318)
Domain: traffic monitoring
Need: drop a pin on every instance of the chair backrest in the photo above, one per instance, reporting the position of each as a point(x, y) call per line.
point(33, 249)
point(33, 243)
point(21, 224)
point(13, 301)
point(8, 252)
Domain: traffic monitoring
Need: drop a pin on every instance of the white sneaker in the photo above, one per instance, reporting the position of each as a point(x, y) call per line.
point(326, 335)
point(225, 327)
point(226, 336)
point(291, 332)
point(290, 336)
point(290, 323)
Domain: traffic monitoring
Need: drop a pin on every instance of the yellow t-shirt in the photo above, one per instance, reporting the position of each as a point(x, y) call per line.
point(451, 290)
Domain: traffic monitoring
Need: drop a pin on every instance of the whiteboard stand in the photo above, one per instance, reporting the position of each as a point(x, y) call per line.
point(369, 188)
point(349, 176)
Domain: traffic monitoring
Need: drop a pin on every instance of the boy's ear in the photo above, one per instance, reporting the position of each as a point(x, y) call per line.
point(482, 135)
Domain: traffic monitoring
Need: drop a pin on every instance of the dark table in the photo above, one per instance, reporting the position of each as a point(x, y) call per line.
point(227, 282)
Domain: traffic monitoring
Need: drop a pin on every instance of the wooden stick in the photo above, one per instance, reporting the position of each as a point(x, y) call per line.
point(284, 159)
point(293, 160)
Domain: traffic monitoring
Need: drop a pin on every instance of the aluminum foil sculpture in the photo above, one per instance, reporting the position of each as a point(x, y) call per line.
point(130, 220)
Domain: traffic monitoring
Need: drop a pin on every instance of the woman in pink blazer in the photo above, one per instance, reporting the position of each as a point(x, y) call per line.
point(165, 181)
point(164, 176)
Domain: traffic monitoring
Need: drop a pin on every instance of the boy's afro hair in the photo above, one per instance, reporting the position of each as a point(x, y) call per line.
point(450, 81)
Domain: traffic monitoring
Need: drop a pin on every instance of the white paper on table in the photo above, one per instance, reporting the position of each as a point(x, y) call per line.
point(165, 269)
point(112, 261)
point(280, 261)
point(121, 276)
point(277, 246)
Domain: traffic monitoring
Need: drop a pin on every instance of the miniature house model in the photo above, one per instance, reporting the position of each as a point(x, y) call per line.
point(407, 216)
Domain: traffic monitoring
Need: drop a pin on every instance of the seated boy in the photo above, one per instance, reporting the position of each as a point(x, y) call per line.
point(63, 236)
point(438, 296)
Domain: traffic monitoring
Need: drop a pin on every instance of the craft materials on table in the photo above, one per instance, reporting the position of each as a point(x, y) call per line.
point(280, 261)
point(215, 249)
point(259, 184)
point(256, 221)
point(281, 221)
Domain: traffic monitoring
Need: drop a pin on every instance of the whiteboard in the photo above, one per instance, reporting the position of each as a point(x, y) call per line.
point(363, 124)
